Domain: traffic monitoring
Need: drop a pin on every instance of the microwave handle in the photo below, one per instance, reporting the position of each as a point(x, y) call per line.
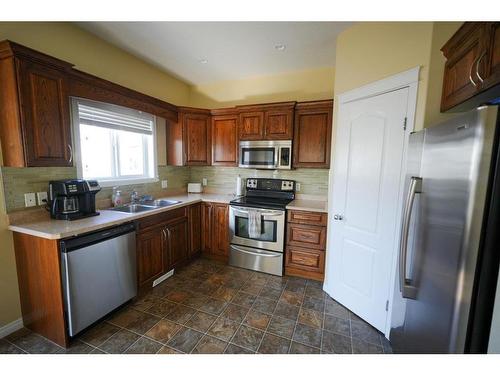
point(277, 157)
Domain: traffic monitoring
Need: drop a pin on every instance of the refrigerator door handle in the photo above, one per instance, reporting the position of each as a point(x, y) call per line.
point(407, 290)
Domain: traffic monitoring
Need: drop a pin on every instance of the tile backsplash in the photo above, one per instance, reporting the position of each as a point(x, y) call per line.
point(18, 181)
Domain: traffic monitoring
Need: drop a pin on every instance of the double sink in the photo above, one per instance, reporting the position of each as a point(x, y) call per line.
point(147, 205)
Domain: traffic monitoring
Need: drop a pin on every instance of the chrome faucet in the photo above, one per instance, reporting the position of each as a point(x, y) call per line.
point(134, 196)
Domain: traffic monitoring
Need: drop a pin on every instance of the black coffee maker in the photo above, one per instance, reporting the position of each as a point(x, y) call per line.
point(72, 199)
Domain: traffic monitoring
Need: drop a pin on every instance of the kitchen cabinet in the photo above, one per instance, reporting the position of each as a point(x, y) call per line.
point(472, 62)
point(150, 256)
point(225, 137)
point(306, 244)
point(176, 243)
point(34, 108)
point(194, 217)
point(215, 222)
point(312, 134)
point(189, 139)
point(266, 121)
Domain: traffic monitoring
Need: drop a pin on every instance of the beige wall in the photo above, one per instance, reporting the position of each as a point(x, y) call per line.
point(303, 85)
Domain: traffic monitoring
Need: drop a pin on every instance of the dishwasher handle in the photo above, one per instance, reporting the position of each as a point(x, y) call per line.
point(84, 240)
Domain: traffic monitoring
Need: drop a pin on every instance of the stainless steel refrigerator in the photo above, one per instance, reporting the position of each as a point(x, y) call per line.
point(449, 246)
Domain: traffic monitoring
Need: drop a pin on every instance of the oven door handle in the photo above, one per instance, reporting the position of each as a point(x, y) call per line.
point(264, 212)
point(238, 248)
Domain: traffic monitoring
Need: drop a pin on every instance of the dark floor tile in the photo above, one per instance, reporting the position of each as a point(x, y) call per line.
point(314, 284)
point(119, 342)
point(270, 293)
point(185, 340)
point(307, 335)
point(223, 329)
point(100, 333)
point(354, 317)
point(181, 314)
point(35, 344)
point(386, 345)
point(18, 334)
point(178, 296)
point(248, 338)
point(124, 317)
point(257, 319)
point(235, 349)
point(363, 347)
point(145, 302)
point(272, 344)
point(333, 343)
point(251, 288)
point(311, 318)
point(77, 347)
point(334, 308)
point(210, 345)
point(264, 305)
point(313, 304)
point(276, 282)
point(8, 348)
point(143, 323)
point(201, 321)
point(287, 311)
point(205, 288)
point(144, 346)
point(244, 299)
point(162, 308)
point(235, 312)
point(295, 287)
point(281, 326)
point(298, 348)
point(163, 331)
point(337, 325)
point(225, 294)
point(364, 331)
point(315, 292)
point(213, 306)
point(168, 350)
point(97, 351)
point(195, 301)
point(292, 298)
point(295, 280)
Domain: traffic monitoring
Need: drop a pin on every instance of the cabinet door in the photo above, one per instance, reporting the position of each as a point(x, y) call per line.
point(310, 261)
point(220, 230)
point(150, 255)
point(251, 126)
point(225, 140)
point(196, 139)
point(463, 52)
point(492, 76)
point(177, 242)
point(278, 124)
point(206, 228)
point(194, 229)
point(45, 116)
point(312, 137)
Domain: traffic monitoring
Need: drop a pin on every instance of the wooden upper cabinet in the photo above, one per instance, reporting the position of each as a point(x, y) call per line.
point(278, 124)
point(34, 109)
point(224, 138)
point(312, 134)
point(472, 62)
point(251, 126)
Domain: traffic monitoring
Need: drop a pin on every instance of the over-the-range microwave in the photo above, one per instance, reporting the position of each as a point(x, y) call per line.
point(266, 154)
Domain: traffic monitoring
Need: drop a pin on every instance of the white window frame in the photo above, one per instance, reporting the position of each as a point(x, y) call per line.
point(103, 181)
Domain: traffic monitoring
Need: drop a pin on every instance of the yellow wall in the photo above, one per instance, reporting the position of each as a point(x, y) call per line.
point(313, 84)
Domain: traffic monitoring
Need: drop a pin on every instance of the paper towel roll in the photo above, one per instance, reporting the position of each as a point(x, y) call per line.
point(239, 186)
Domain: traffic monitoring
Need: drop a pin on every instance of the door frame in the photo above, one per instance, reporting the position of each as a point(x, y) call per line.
point(406, 79)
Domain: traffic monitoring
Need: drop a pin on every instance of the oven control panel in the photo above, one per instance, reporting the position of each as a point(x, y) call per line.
point(270, 184)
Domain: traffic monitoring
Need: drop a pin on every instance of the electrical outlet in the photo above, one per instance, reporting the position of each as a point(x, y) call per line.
point(297, 186)
point(29, 200)
point(164, 184)
point(204, 182)
point(41, 197)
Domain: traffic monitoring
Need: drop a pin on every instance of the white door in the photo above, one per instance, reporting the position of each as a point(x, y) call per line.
point(363, 224)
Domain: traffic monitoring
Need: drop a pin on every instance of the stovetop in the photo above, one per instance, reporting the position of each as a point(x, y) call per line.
point(261, 202)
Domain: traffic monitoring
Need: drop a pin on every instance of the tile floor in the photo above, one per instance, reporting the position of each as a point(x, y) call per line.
point(208, 307)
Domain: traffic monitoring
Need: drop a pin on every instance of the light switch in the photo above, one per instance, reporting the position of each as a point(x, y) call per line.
point(42, 197)
point(29, 199)
point(297, 186)
point(164, 184)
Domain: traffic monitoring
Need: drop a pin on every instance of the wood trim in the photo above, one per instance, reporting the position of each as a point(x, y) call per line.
point(40, 286)
point(307, 217)
point(266, 106)
point(11, 49)
point(309, 236)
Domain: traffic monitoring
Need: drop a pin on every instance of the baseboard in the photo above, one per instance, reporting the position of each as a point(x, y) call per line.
point(11, 327)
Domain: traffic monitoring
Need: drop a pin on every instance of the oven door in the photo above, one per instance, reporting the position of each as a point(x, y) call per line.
point(273, 228)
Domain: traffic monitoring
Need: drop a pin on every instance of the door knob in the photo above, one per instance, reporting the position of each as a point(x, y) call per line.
point(338, 217)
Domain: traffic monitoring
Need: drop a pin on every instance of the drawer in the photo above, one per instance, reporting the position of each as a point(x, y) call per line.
point(313, 237)
point(305, 259)
point(307, 217)
point(161, 218)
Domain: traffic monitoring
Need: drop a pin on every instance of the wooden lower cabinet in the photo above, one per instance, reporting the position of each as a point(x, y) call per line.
point(194, 222)
point(215, 236)
point(150, 255)
point(306, 244)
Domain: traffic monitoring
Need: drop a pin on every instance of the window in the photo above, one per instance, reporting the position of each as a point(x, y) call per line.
point(114, 145)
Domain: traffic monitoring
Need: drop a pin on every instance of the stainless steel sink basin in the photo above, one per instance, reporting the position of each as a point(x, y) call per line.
point(133, 208)
point(160, 203)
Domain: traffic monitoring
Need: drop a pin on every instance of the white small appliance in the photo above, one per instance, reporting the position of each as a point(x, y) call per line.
point(195, 187)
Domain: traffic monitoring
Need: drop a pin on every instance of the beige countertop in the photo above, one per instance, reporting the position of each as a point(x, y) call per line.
point(308, 205)
point(57, 229)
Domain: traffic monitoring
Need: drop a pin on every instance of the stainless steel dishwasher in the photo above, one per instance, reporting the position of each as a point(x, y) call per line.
point(99, 274)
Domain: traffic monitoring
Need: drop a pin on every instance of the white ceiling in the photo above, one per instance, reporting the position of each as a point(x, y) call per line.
point(234, 50)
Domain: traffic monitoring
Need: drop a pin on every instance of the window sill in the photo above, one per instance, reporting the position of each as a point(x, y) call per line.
point(132, 181)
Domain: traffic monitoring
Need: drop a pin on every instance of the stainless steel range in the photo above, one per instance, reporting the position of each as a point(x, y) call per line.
point(257, 225)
